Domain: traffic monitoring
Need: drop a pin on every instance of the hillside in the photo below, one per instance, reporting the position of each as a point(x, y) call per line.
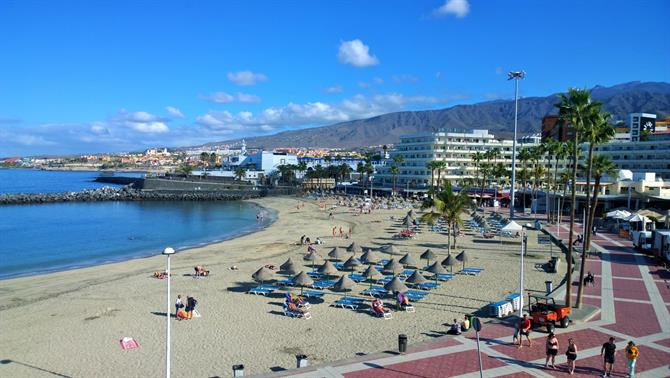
point(496, 116)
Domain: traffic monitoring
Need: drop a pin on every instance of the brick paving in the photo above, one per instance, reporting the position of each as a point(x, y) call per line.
point(447, 356)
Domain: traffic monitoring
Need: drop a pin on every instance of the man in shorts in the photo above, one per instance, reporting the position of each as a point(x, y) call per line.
point(524, 329)
point(608, 351)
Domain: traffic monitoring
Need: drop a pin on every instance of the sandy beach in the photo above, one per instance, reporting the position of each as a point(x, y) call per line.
point(70, 323)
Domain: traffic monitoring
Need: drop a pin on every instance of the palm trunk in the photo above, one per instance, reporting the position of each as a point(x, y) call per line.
point(596, 192)
point(432, 178)
point(587, 228)
point(573, 198)
point(448, 238)
point(439, 175)
point(556, 185)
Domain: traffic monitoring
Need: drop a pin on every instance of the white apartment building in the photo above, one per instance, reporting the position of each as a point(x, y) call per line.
point(647, 156)
point(457, 149)
point(639, 122)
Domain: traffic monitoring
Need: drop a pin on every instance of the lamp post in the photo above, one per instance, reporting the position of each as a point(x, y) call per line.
point(372, 181)
point(167, 252)
point(524, 242)
point(514, 75)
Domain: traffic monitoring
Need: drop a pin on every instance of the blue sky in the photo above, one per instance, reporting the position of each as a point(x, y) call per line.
point(105, 76)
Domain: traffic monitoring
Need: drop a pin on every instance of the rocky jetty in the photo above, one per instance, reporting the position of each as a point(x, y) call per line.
point(127, 194)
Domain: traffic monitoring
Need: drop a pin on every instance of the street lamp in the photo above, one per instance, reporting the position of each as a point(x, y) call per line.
point(167, 252)
point(516, 76)
point(372, 182)
point(524, 245)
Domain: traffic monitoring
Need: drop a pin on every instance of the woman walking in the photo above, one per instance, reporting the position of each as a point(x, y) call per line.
point(631, 353)
point(552, 350)
point(571, 354)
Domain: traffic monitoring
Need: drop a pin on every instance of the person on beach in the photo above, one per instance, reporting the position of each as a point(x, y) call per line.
point(177, 305)
point(608, 351)
point(516, 339)
point(524, 330)
point(302, 240)
point(330, 216)
point(190, 306)
point(350, 231)
point(341, 232)
point(552, 350)
point(465, 325)
point(454, 328)
point(631, 354)
point(571, 355)
point(334, 230)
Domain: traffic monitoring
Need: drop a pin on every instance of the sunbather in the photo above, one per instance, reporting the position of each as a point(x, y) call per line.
point(454, 328)
point(200, 271)
point(378, 307)
point(294, 307)
point(160, 275)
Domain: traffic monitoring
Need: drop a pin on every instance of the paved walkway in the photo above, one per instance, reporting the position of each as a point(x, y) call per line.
point(634, 297)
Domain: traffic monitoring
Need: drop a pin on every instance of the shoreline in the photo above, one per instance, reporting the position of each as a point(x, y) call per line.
point(145, 254)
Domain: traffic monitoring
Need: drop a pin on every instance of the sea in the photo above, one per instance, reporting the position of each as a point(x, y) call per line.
point(43, 238)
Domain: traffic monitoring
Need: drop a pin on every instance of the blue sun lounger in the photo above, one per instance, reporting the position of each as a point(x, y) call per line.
point(343, 303)
point(375, 291)
point(471, 271)
point(259, 291)
point(312, 293)
point(324, 284)
point(444, 276)
point(406, 273)
point(428, 285)
point(357, 277)
point(316, 275)
point(286, 282)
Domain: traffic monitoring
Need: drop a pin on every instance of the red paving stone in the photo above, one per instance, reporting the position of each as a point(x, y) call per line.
point(586, 338)
point(588, 300)
point(649, 359)
point(492, 331)
point(588, 290)
point(665, 342)
point(630, 289)
point(442, 342)
point(440, 366)
point(664, 290)
point(594, 266)
point(625, 266)
point(516, 375)
point(635, 319)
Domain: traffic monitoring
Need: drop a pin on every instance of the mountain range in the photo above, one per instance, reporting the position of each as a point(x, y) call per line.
point(495, 116)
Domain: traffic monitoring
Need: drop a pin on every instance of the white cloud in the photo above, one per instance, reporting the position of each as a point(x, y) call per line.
point(356, 53)
point(225, 98)
point(142, 122)
point(334, 89)
point(175, 112)
point(246, 77)
point(405, 78)
point(459, 8)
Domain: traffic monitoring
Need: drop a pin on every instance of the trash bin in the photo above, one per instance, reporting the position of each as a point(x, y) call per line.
point(402, 343)
point(549, 286)
point(238, 370)
point(301, 361)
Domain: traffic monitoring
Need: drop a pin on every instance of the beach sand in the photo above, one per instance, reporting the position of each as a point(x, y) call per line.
point(70, 323)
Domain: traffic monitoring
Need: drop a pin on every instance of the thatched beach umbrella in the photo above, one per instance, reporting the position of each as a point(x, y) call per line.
point(290, 269)
point(262, 274)
point(416, 278)
point(312, 257)
point(395, 285)
point(371, 273)
point(351, 263)
point(393, 266)
point(410, 213)
point(370, 257)
point(436, 268)
point(463, 258)
point(449, 261)
point(355, 248)
point(344, 283)
point(302, 280)
point(428, 255)
point(288, 262)
point(328, 269)
point(336, 253)
point(409, 260)
point(390, 249)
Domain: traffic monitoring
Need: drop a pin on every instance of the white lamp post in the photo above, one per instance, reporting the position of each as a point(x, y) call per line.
point(514, 75)
point(167, 252)
point(524, 239)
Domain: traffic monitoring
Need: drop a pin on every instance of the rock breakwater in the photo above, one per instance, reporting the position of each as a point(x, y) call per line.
point(128, 194)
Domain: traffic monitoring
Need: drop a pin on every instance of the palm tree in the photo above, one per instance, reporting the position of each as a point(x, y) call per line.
point(432, 165)
point(552, 147)
point(537, 152)
point(343, 170)
point(439, 166)
point(601, 165)
point(573, 110)
point(524, 156)
point(394, 171)
point(185, 169)
point(485, 169)
point(447, 205)
point(240, 173)
point(477, 157)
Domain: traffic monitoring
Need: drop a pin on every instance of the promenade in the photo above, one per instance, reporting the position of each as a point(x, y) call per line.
point(634, 297)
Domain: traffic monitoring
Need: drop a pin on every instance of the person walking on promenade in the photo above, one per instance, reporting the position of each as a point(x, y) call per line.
point(517, 327)
point(341, 232)
point(177, 305)
point(631, 353)
point(552, 350)
point(608, 351)
point(571, 355)
point(190, 306)
point(334, 231)
point(524, 330)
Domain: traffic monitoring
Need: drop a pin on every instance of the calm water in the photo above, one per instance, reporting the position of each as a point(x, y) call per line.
point(35, 181)
point(43, 238)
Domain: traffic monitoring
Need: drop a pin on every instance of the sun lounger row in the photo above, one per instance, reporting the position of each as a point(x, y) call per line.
point(296, 313)
point(471, 271)
point(263, 290)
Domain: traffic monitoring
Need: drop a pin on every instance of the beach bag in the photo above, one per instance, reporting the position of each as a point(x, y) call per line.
point(181, 314)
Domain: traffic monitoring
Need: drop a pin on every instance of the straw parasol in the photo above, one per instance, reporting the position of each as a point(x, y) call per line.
point(355, 248)
point(313, 257)
point(262, 274)
point(328, 269)
point(409, 260)
point(371, 273)
point(436, 268)
point(344, 283)
point(449, 261)
point(288, 262)
point(352, 262)
point(390, 249)
point(395, 285)
point(416, 278)
point(336, 253)
point(302, 280)
point(463, 257)
point(393, 266)
point(410, 213)
point(370, 257)
point(290, 269)
point(428, 255)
